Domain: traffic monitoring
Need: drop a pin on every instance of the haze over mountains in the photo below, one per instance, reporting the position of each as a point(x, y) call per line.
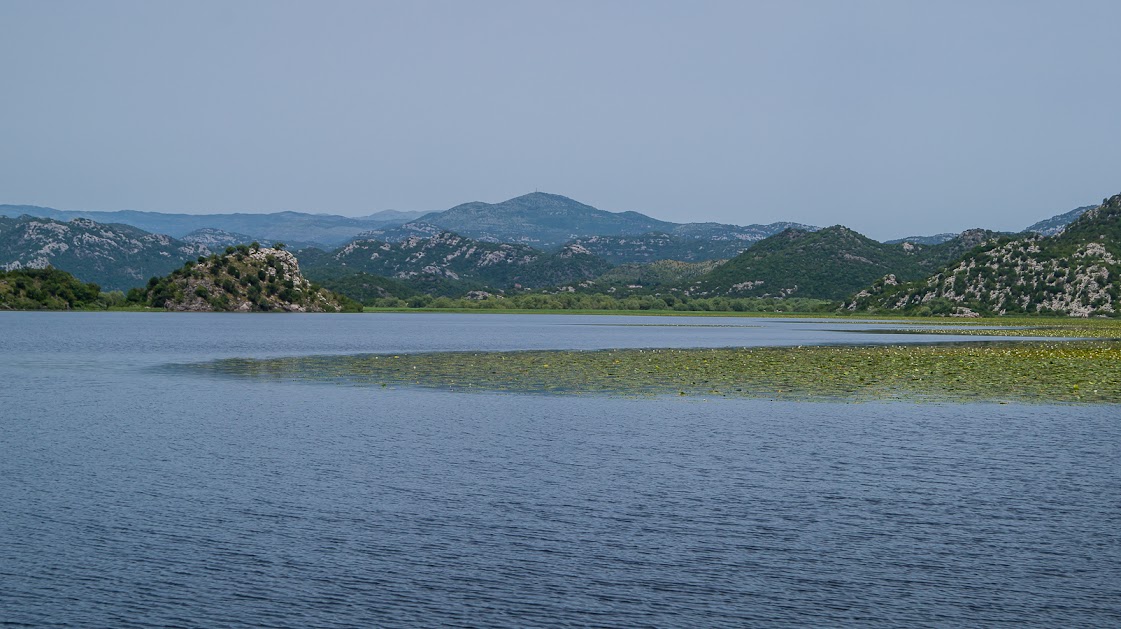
point(539, 219)
point(294, 228)
point(538, 241)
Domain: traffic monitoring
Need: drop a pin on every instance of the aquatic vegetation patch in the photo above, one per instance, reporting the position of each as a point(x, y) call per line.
point(1054, 327)
point(1041, 372)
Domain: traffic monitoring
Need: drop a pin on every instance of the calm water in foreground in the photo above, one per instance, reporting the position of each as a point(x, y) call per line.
point(134, 495)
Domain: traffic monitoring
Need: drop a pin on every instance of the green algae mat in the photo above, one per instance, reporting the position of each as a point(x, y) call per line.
point(1000, 371)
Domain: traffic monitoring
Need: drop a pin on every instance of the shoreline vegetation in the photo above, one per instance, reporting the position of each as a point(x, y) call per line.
point(54, 290)
point(1070, 371)
point(1006, 325)
point(1036, 325)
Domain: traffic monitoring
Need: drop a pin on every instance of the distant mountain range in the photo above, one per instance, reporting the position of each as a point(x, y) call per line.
point(547, 221)
point(541, 220)
point(295, 229)
point(538, 219)
point(1056, 224)
point(936, 239)
point(1046, 227)
point(536, 241)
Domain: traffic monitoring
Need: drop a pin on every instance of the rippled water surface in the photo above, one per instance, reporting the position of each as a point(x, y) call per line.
point(132, 495)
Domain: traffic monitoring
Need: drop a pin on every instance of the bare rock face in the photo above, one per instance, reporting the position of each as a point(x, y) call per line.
point(116, 257)
point(244, 279)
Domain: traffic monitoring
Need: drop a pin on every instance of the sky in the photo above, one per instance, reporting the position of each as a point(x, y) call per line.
point(894, 118)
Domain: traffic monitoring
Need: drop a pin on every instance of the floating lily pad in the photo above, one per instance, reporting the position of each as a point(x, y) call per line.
point(1030, 371)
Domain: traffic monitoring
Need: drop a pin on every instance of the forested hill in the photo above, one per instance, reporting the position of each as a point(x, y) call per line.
point(830, 263)
point(1074, 273)
point(47, 289)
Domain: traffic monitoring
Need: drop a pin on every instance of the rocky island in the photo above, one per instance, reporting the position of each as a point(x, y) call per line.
point(246, 278)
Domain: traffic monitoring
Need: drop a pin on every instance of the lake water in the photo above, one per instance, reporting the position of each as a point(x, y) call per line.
point(132, 495)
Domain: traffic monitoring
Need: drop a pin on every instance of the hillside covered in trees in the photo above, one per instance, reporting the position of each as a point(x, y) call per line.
point(830, 263)
point(51, 289)
point(1075, 273)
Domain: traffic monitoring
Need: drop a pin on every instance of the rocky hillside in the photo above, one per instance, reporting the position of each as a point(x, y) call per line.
point(243, 279)
point(294, 228)
point(397, 233)
point(117, 257)
point(829, 263)
point(434, 261)
point(1074, 273)
point(218, 239)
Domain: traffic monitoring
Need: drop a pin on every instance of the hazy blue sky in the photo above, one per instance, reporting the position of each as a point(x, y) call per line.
point(893, 117)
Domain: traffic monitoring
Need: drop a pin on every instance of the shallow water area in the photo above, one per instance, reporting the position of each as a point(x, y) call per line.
point(138, 496)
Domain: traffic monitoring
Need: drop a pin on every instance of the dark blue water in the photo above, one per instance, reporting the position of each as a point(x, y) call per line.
point(133, 496)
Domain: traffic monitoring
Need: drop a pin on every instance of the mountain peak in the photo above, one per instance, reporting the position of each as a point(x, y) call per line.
point(538, 195)
point(541, 219)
